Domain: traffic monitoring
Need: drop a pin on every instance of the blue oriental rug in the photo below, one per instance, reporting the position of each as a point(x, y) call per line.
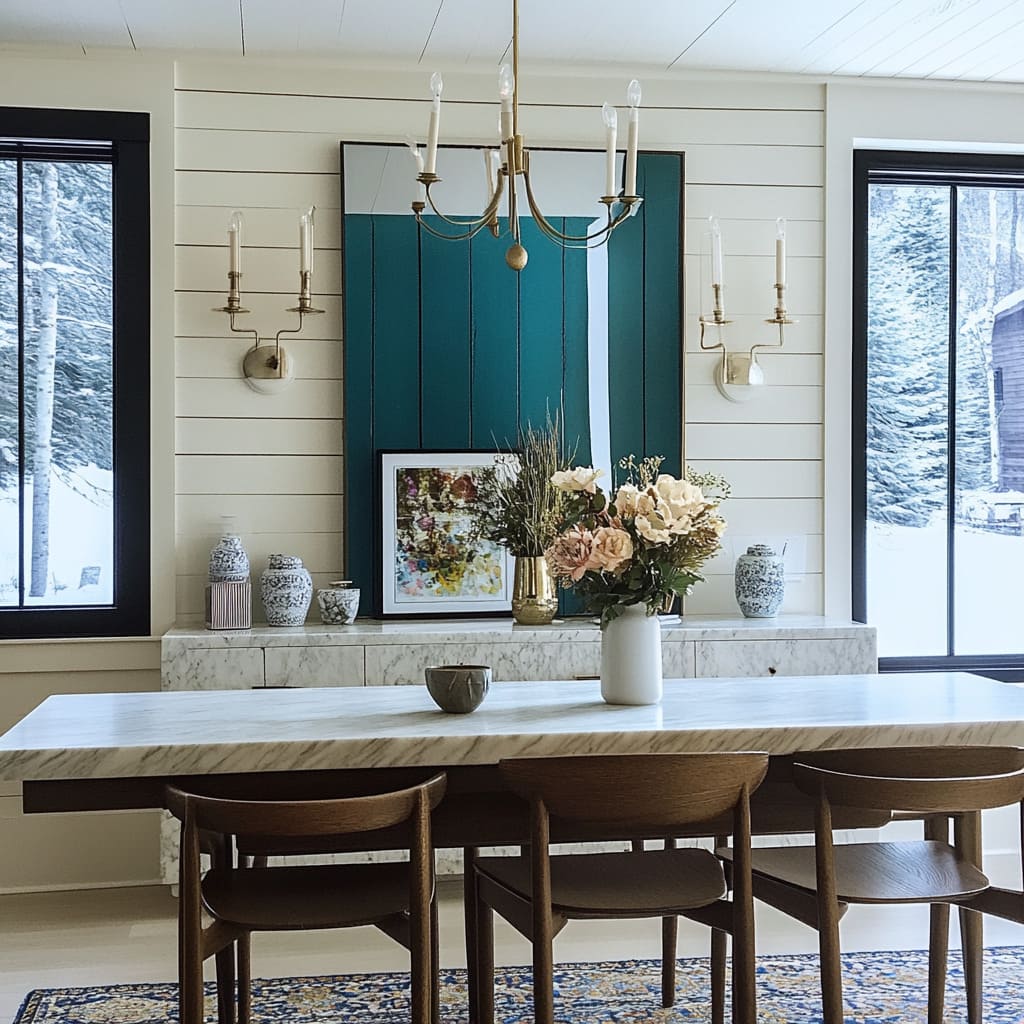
point(878, 987)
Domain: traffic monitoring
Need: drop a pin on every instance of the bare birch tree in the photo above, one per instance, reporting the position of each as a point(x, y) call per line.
point(46, 361)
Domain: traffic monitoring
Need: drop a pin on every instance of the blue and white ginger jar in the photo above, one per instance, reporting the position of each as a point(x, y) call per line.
point(760, 582)
point(287, 589)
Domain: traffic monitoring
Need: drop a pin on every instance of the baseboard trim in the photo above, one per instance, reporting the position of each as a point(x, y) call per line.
point(15, 890)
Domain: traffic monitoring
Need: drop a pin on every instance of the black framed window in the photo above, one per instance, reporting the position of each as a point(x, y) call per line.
point(938, 408)
point(74, 373)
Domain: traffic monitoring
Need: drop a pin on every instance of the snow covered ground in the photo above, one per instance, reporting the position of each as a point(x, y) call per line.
point(81, 537)
point(907, 590)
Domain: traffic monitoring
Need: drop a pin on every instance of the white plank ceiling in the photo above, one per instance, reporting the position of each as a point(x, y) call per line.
point(977, 40)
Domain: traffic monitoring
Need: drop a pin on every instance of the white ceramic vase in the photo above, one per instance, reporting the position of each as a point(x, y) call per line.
point(631, 657)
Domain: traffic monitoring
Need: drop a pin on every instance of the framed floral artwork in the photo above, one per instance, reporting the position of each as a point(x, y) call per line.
point(434, 557)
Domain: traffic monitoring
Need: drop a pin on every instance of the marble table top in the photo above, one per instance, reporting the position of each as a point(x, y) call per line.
point(89, 736)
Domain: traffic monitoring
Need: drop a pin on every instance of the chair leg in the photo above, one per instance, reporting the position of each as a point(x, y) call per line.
point(190, 984)
point(719, 942)
point(435, 964)
point(669, 936)
point(967, 834)
point(543, 977)
point(828, 916)
point(244, 948)
point(226, 985)
point(483, 928)
point(469, 909)
point(938, 938)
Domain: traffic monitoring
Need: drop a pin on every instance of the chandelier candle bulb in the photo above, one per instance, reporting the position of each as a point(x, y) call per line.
point(235, 243)
point(434, 126)
point(611, 121)
point(780, 251)
point(633, 138)
point(506, 89)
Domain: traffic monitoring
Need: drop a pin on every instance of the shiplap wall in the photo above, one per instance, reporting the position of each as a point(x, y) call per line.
point(265, 140)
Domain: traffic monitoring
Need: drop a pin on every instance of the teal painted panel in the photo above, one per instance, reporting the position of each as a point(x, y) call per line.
point(445, 388)
point(540, 326)
point(662, 287)
point(626, 334)
point(575, 402)
point(359, 463)
point(494, 343)
point(396, 333)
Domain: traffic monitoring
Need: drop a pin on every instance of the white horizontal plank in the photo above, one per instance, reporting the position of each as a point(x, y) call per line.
point(766, 478)
point(772, 516)
point(779, 367)
point(189, 597)
point(258, 437)
point(754, 201)
point(770, 404)
point(343, 115)
point(713, 441)
point(717, 596)
point(220, 149)
point(803, 553)
point(211, 397)
point(806, 336)
point(196, 316)
point(222, 357)
point(320, 552)
point(755, 165)
point(539, 86)
point(749, 285)
point(207, 225)
point(754, 237)
point(205, 268)
point(258, 474)
point(252, 189)
point(264, 513)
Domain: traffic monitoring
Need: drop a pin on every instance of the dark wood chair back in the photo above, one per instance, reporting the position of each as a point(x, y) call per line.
point(308, 818)
point(657, 791)
point(920, 779)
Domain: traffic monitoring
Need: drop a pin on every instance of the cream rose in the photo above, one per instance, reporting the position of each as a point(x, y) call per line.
point(582, 478)
point(682, 498)
point(626, 500)
point(653, 529)
point(612, 549)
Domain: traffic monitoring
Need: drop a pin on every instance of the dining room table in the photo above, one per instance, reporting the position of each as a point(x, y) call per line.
point(117, 751)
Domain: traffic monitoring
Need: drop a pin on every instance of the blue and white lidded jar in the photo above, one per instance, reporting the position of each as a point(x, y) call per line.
point(760, 582)
point(287, 589)
point(228, 561)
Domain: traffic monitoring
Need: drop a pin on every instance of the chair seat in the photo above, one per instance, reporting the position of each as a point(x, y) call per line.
point(318, 896)
point(648, 884)
point(922, 871)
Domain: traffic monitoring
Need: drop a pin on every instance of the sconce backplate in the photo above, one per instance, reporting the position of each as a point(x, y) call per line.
point(738, 376)
point(268, 369)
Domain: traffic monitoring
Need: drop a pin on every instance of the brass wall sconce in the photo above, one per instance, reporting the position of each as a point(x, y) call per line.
point(269, 368)
point(738, 374)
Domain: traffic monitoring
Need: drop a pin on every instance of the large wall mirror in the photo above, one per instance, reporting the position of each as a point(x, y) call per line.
point(446, 348)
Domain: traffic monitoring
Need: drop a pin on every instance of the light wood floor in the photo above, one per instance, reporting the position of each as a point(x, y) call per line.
point(123, 935)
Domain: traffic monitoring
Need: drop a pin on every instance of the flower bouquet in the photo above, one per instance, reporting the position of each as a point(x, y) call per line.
point(644, 545)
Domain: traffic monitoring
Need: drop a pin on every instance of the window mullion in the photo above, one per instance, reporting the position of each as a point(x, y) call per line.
point(951, 430)
point(20, 243)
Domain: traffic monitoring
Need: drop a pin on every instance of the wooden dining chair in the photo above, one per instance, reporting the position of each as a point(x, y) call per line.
point(621, 797)
point(813, 884)
point(398, 898)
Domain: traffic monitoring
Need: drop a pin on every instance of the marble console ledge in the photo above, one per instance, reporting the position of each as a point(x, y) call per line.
point(370, 632)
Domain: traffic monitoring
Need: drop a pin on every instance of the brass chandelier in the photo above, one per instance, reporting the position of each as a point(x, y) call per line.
point(515, 165)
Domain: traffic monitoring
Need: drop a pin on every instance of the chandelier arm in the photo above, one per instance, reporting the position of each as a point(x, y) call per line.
point(599, 236)
point(471, 233)
point(487, 217)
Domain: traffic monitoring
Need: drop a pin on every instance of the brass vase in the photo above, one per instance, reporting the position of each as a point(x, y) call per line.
point(534, 594)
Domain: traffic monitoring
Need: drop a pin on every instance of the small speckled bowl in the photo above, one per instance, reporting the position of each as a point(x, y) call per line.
point(458, 689)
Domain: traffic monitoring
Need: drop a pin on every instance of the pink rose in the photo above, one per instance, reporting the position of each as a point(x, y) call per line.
point(611, 550)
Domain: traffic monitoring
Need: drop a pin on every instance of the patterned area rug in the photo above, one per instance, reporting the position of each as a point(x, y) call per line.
point(878, 987)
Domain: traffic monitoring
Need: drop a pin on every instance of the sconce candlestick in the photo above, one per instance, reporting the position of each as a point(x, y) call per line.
point(781, 316)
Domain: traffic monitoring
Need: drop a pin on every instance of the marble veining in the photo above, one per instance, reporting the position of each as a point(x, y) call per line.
point(497, 631)
point(790, 657)
point(204, 669)
point(314, 666)
point(138, 734)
